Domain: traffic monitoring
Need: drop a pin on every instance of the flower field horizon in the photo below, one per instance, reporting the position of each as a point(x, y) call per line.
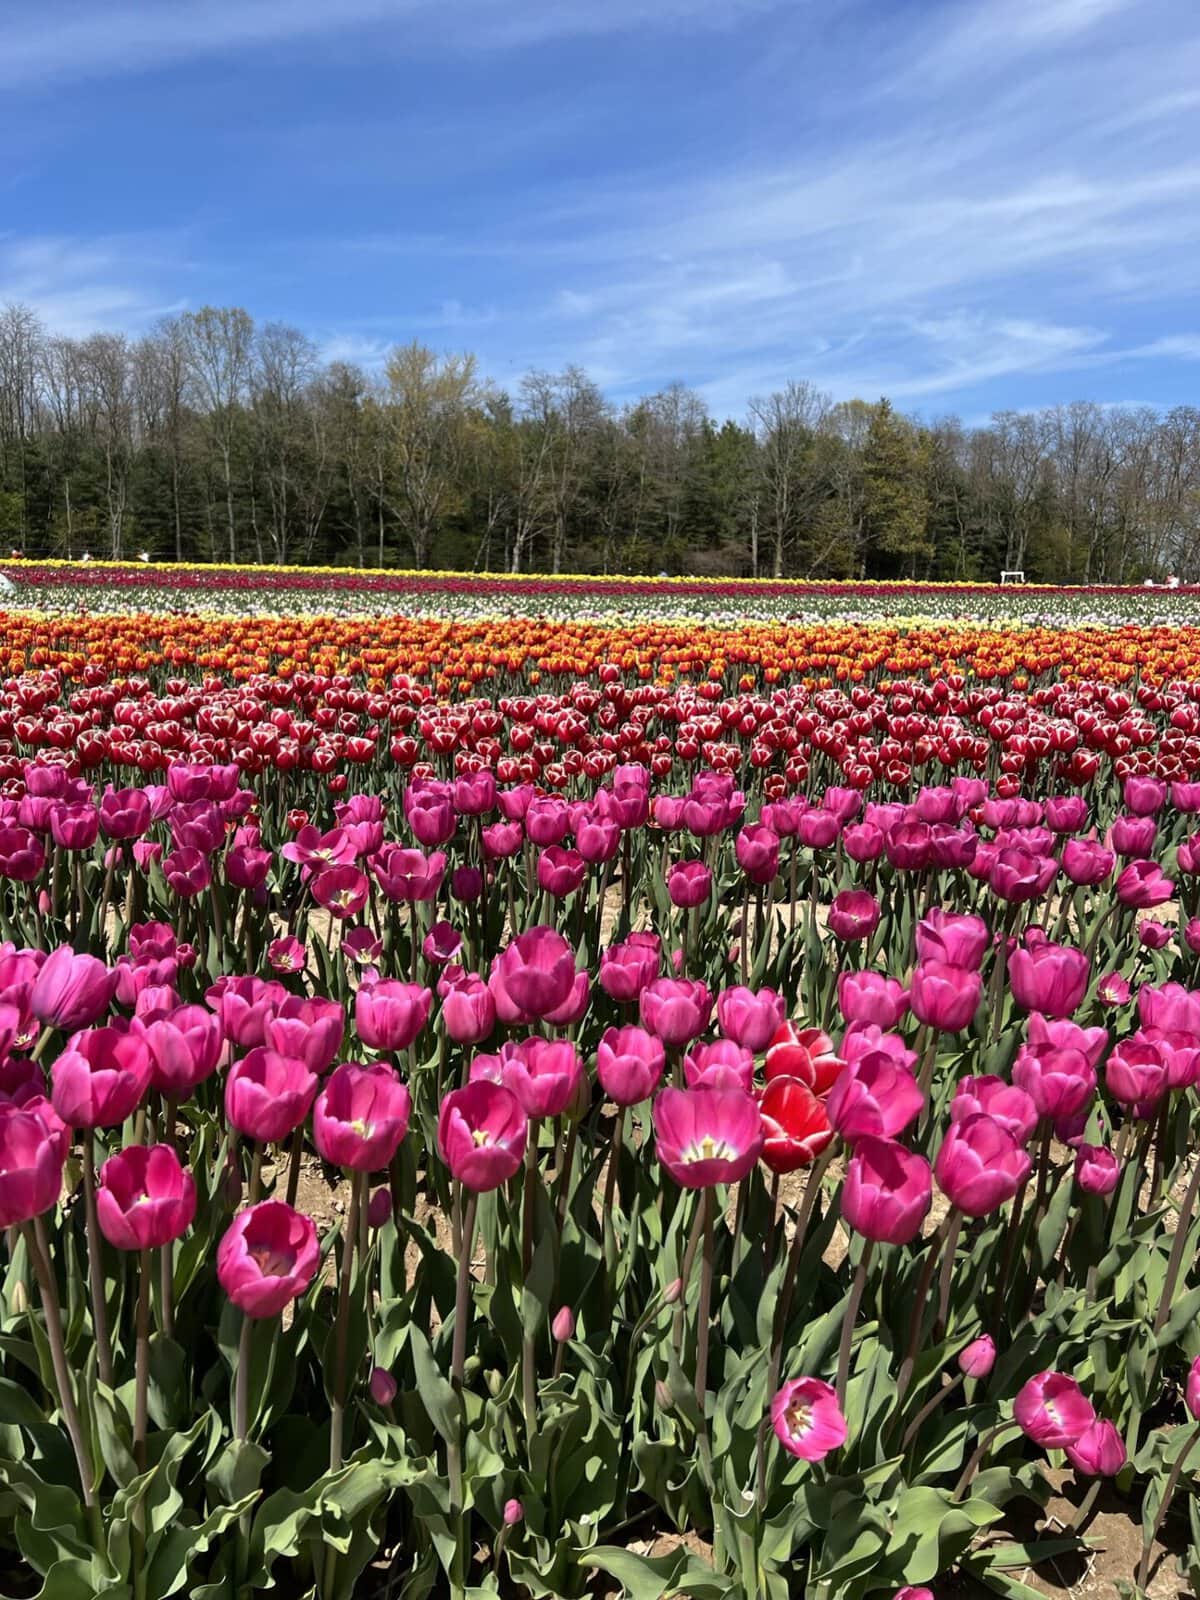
point(506, 1097)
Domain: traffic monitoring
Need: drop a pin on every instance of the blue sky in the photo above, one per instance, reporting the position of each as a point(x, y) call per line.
point(964, 204)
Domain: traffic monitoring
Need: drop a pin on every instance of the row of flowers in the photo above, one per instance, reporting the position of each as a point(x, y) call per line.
point(165, 587)
point(569, 1055)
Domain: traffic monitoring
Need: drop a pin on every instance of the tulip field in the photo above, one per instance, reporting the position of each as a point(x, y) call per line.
point(496, 1101)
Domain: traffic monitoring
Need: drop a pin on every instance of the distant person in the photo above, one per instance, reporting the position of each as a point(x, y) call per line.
point(1172, 582)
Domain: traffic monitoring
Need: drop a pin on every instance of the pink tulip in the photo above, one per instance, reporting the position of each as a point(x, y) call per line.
point(887, 1192)
point(382, 1386)
point(390, 1015)
point(991, 1097)
point(979, 1357)
point(864, 1038)
point(807, 1419)
point(750, 1018)
point(757, 852)
point(563, 1326)
point(1066, 813)
point(1191, 1391)
point(1097, 1170)
point(267, 1096)
point(429, 813)
point(361, 1116)
point(1064, 1035)
point(188, 872)
point(945, 998)
point(1113, 990)
point(689, 884)
point(244, 1005)
point(442, 944)
point(862, 841)
point(870, 997)
point(185, 1045)
point(1086, 862)
point(626, 968)
point(544, 1074)
point(1050, 978)
point(72, 991)
point(1018, 876)
point(124, 813)
point(100, 1078)
point(268, 1256)
point(1099, 1452)
point(1144, 796)
point(547, 820)
point(33, 1152)
point(720, 1065)
point(980, 1165)
point(533, 977)
point(1171, 1007)
point(1053, 1410)
point(514, 1513)
point(144, 1199)
point(955, 940)
point(853, 916)
point(468, 1010)
point(482, 1132)
point(706, 1136)
point(310, 1030)
point(1153, 935)
point(1058, 1081)
point(1143, 885)
point(409, 876)
point(1136, 1075)
point(560, 871)
point(675, 1010)
point(629, 1064)
point(874, 1097)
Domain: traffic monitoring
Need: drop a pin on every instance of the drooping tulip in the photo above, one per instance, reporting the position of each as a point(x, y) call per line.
point(807, 1419)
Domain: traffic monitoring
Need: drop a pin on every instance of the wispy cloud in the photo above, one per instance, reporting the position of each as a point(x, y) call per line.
point(90, 40)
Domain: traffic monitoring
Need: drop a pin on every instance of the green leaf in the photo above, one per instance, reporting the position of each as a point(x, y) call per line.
point(433, 1388)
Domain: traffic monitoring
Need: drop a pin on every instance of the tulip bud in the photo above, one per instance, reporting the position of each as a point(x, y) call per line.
point(379, 1207)
point(663, 1396)
point(672, 1292)
point(563, 1326)
point(978, 1359)
point(514, 1512)
point(383, 1386)
point(1192, 1391)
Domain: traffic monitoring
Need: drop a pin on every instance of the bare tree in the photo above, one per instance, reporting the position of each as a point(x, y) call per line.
point(429, 401)
point(219, 343)
point(786, 424)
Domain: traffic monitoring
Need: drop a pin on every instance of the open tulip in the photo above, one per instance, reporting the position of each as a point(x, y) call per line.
point(544, 1074)
point(795, 1125)
point(482, 1132)
point(145, 1198)
point(804, 1053)
point(956, 940)
point(807, 1419)
point(854, 916)
point(268, 1257)
point(1058, 1081)
point(360, 1116)
point(707, 1136)
point(533, 977)
point(1053, 1410)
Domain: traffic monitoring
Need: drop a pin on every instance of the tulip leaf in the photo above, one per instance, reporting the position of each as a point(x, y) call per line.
point(434, 1389)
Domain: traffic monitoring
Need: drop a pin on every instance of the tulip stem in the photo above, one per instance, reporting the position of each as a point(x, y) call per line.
point(1164, 1506)
point(917, 1320)
point(141, 1390)
point(458, 1361)
point(848, 1321)
point(528, 1349)
point(1010, 1245)
point(704, 1305)
point(972, 1466)
point(685, 1275)
point(931, 1405)
point(166, 1290)
point(1083, 1510)
point(948, 1253)
point(297, 1150)
point(1175, 1261)
point(35, 1236)
point(610, 1184)
point(256, 1161)
point(337, 1420)
point(95, 1263)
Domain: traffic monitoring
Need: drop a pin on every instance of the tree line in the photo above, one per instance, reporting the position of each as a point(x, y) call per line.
point(216, 439)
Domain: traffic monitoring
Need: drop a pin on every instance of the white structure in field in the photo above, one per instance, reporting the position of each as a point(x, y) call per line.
point(1016, 576)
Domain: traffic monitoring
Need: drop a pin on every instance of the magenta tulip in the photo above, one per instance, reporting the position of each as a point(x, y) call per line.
point(870, 997)
point(750, 1018)
point(482, 1132)
point(361, 1116)
point(1050, 978)
point(945, 998)
point(544, 1074)
point(72, 991)
point(33, 1152)
point(533, 977)
point(807, 1419)
point(853, 916)
point(955, 940)
point(980, 1165)
point(675, 1010)
point(1058, 1081)
point(267, 1096)
point(100, 1077)
point(707, 1136)
point(887, 1192)
point(1097, 1170)
point(468, 1009)
point(268, 1257)
point(1053, 1410)
point(874, 1097)
point(629, 1064)
point(390, 1015)
point(185, 1045)
point(145, 1198)
point(626, 968)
